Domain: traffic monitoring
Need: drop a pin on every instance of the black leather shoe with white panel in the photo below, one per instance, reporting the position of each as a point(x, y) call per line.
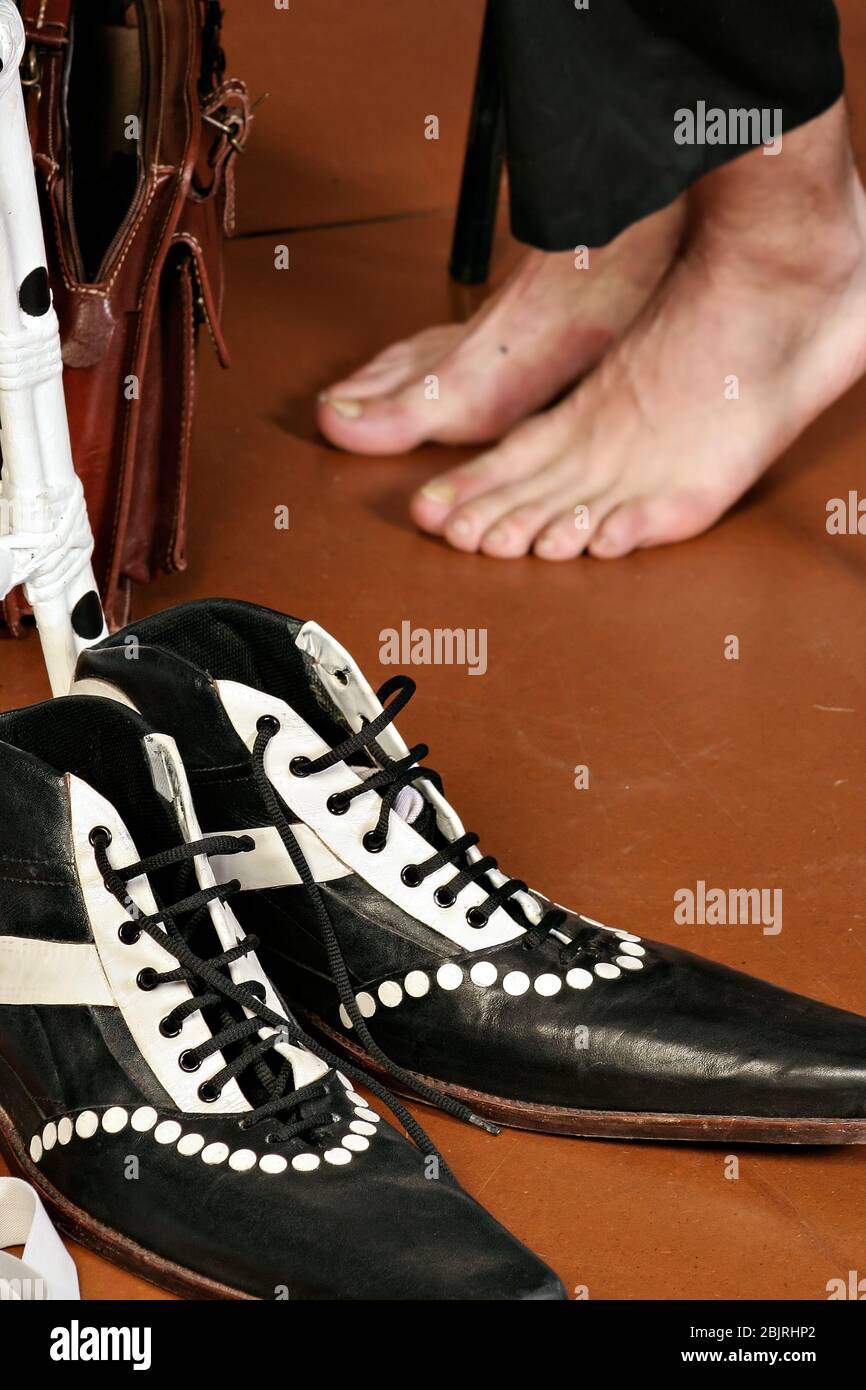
point(397, 940)
point(153, 1086)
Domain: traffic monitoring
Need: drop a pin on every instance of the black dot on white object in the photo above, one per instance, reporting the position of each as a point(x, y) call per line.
point(34, 293)
point(86, 617)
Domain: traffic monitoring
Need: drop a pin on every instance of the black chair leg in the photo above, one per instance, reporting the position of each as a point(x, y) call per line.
point(482, 167)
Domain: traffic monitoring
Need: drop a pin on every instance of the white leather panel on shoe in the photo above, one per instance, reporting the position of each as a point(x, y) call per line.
point(39, 972)
point(353, 695)
point(269, 864)
point(142, 1009)
point(343, 835)
point(171, 781)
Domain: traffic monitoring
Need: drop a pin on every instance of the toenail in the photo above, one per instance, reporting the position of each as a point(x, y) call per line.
point(350, 410)
point(461, 526)
point(439, 491)
point(548, 545)
point(602, 543)
point(499, 535)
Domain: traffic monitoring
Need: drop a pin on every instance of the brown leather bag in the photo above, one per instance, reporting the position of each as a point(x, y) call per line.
point(134, 130)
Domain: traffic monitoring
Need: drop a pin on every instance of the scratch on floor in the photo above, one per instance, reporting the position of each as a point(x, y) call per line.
point(476, 1191)
point(784, 1204)
point(834, 709)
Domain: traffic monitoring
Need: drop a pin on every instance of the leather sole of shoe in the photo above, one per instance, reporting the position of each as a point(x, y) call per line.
point(111, 1245)
point(615, 1124)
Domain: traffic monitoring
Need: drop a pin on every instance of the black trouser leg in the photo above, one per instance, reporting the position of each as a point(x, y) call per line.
point(482, 168)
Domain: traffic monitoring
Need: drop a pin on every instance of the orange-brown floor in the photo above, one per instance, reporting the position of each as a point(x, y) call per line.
point(745, 773)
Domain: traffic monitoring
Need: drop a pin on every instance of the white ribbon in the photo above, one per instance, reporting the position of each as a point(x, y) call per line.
point(46, 1271)
point(49, 559)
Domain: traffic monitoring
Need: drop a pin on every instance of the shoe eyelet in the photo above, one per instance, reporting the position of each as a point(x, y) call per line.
point(101, 830)
point(476, 917)
point(146, 978)
point(167, 1032)
point(208, 1092)
point(129, 933)
point(410, 875)
point(187, 1061)
point(272, 1138)
point(338, 803)
point(300, 766)
point(342, 676)
point(444, 897)
point(373, 842)
point(267, 725)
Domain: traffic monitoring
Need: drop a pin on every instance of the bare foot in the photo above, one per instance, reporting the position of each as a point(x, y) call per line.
point(549, 324)
point(758, 328)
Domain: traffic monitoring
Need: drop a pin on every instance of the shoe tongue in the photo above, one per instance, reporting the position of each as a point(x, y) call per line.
point(338, 679)
point(410, 805)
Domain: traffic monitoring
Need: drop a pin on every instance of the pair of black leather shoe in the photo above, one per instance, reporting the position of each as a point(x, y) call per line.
point(137, 1024)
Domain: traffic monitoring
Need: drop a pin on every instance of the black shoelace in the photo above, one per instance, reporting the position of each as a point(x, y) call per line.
point(211, 987)
point(395, 774)
point(391, 777)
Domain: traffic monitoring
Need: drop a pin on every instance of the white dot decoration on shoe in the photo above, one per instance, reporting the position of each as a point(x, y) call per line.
point(578, 979)
point(344, 1017)
point(417, 984)
point(515, 982)
point(631, 948)
point(548, 985)
point(390, 994)
point(366, 1004)
point(356, 1142)
point(483, 973)
point(606, 971)
point(629, 963)
point(144, 1119)
point(449, 976)
point(273, 1163)
point(190, 1144)
point(168, 1132)
point(629, 936)
point(86, 1125)
point(214, 1153)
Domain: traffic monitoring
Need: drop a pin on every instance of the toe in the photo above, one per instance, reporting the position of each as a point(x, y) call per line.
point(379, 424)
point(622, 530)
point(651, 521)
point(515, 531)
point(503, 521)
point(437, 501)
point(570, 533)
